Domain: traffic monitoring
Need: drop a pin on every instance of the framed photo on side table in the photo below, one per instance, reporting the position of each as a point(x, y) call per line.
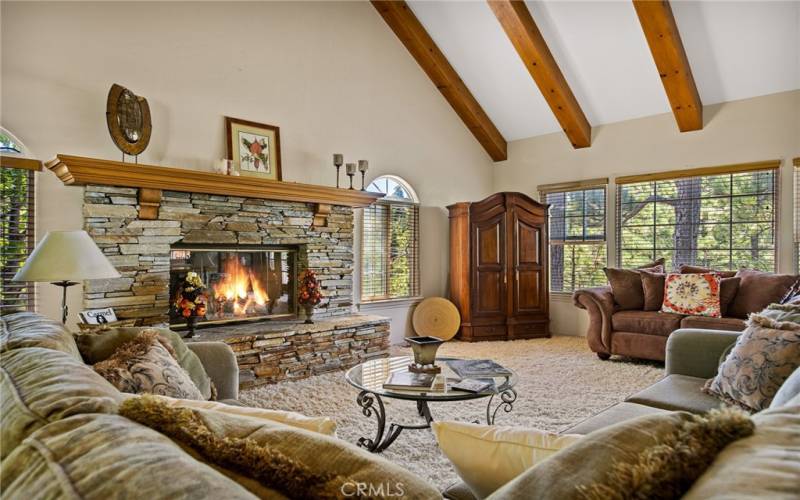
point(255, 148)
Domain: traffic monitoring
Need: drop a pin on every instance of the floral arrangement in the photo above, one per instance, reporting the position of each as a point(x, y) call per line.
point(309, 289)
point(190, 300)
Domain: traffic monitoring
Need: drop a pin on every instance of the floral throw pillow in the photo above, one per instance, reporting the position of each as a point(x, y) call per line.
point(763, 357)
point(692, 294)
point(147, 365)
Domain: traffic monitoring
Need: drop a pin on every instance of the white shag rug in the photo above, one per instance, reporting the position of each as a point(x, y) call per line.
point(561, 382)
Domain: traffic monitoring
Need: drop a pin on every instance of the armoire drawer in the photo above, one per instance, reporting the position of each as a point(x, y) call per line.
point(527, 330)
point(489, 331)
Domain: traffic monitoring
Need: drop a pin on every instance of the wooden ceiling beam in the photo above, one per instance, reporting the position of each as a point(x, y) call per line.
point(665, 43)
point(516, 20)
point(412, 34)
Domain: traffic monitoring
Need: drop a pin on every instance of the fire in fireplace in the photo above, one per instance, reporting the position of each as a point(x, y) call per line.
point(243, 283)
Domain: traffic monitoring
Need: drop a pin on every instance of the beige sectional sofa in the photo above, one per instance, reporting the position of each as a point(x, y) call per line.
point(61, 435)
point(764, 465)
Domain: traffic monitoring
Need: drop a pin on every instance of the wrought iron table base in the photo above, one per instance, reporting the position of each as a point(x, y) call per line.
point(371, 404)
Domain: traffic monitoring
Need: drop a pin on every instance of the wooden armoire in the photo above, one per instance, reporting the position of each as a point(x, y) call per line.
point(498, 267)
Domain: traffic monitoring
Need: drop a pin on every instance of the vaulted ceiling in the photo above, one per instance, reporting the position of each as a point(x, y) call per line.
point(735, 50)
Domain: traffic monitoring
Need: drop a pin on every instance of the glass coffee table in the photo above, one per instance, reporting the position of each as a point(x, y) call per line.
point(369, 377)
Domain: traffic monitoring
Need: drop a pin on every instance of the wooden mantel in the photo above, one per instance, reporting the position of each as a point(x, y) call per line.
point(150, 179)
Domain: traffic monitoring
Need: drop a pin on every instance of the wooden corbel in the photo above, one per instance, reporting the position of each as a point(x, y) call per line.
point(149, 202)
point(321, 213)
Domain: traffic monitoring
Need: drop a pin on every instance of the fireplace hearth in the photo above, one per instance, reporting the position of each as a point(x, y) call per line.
point(244, 282)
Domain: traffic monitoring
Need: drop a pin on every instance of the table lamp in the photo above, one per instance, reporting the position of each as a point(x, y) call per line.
point(63, 257)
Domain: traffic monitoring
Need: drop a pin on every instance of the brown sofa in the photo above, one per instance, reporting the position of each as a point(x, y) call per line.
point(643, 334)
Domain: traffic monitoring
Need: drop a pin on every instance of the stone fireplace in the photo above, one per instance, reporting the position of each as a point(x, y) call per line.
point(211, 232)
point(249, 252)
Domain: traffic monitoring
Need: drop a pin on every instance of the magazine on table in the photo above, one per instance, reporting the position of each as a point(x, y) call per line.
point(415, 382)
point(477, 368)
point(475, 385)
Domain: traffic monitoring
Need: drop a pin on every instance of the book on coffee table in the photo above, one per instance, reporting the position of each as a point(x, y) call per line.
point(475, 385)
point(409, 381)
point(477, 368)
point(415, 382)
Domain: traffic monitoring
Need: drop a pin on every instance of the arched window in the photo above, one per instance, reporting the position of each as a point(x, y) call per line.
point(17, 234)
point(390, 242)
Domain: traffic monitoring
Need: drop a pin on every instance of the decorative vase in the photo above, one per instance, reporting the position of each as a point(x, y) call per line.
point(309, 310)
point(424, 349)
point(191, 323)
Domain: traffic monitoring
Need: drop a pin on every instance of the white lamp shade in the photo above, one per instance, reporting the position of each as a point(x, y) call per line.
point(66, 256)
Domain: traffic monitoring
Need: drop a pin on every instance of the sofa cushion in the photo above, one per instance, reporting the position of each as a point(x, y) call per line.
point(788, 391)
point(762, 359)
point(615, 414)
point(782, 312)
point(41, 386)
point(676, 393)
point(687, 269)
point(764, 465)
point(639, 345)
point(323, 425)
point(590, 459)
point(316, 451)
point(653, 287)
point(708, 323)
point(626, 285)
point(96, 347)
point(649, 322)
point(487, 457)
point(147, 365)
point(728, 288)
point(757, 290)
point(109, 457)
point(695, 294)
point(27, 329)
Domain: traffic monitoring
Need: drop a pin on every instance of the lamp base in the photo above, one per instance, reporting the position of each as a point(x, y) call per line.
point(64, 309)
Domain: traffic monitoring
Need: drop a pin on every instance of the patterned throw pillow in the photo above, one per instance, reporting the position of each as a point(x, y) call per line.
point(692, 294)
point(147, 365)
point(764, 356)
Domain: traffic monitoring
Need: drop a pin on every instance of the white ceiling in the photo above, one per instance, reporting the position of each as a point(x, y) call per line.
point(736, 50)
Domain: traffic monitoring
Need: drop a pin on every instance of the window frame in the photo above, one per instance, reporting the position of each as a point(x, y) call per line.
point(571, 187)
point(796, 214)
point(388, 201)
point(772, 166)
point(16, 160)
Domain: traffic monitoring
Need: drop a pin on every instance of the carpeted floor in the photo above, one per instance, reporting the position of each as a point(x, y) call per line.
point(561, 383)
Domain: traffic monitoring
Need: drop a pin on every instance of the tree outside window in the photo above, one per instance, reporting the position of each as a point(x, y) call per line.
point(724, 221)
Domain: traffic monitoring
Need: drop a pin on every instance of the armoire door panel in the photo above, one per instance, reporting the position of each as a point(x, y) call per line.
point(528, 298)
point(488, 246)
point(489, 293)
point(528, 244)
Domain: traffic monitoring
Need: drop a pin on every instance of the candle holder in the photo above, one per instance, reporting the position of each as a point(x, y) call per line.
point(363, 165)
point(338, 160)
point(351, 172)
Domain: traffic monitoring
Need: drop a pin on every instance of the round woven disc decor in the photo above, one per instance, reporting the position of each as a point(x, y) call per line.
point(437, 317)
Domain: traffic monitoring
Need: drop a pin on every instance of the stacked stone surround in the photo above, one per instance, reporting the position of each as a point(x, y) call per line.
point(139, 249)
point(273, 352)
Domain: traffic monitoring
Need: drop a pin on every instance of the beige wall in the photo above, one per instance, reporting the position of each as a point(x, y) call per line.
point(332, 75)
point(761, 128)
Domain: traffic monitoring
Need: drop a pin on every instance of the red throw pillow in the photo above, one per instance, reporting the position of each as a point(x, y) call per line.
point(692, 294)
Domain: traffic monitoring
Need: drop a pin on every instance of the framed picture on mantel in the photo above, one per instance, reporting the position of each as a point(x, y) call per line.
point(255, 148)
